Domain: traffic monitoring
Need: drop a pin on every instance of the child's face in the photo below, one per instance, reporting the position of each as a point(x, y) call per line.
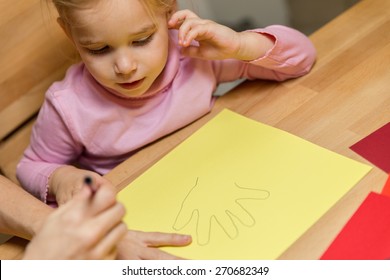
point(121, 45)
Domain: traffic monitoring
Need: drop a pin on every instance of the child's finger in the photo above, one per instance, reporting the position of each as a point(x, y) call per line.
point(157, 239)
point(179, 17)
point(196, 31)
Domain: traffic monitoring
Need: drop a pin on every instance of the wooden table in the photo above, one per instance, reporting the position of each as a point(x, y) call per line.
point(343, 99)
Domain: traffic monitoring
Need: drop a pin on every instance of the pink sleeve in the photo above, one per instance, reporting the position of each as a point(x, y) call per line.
point(51, 146)
point(292, 56)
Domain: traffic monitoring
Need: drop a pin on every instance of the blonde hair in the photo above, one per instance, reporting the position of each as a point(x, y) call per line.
point(64, 7)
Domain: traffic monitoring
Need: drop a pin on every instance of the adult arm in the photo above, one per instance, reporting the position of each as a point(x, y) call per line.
point(20, 213)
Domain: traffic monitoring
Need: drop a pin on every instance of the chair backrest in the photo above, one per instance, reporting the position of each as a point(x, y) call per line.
point(33, 54)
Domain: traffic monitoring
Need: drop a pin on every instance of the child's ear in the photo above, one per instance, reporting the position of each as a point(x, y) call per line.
point(65, 28)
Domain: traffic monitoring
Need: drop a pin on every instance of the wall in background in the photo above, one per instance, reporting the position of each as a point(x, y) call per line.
point(242, 14)
point(309, 15)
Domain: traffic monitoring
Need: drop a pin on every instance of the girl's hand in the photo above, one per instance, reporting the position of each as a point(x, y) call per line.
point(87, 227)
point(67, 181)
point(139, 245)
point(217, 41)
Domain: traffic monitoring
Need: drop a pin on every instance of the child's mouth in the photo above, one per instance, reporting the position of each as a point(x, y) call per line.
point(132, 85)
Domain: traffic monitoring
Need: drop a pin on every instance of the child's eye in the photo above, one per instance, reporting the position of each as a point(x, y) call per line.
point(102, 50)
point(143, 41)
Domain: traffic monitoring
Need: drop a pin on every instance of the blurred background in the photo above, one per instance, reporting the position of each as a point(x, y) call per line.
point(304, 15)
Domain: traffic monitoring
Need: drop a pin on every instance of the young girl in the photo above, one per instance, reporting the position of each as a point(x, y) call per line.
point(146, 71)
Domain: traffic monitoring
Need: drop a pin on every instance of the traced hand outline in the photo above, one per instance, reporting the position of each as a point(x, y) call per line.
point(226, 210)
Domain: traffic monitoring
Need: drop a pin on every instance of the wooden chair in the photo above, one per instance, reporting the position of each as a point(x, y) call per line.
point(33, 54)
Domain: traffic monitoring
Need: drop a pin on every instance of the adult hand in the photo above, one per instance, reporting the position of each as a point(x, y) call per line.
point(89, 226)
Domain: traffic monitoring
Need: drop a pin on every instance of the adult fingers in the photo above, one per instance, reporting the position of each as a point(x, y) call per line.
point(102, 199)
point(105, 221)
point(106, 247)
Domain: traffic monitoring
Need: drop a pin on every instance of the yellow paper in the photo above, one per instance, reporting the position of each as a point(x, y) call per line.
point(242, 189)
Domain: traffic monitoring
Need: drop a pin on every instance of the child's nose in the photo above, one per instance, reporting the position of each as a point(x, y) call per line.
point(124, 64)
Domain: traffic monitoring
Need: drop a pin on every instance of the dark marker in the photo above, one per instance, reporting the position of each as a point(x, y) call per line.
point(89, 182)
